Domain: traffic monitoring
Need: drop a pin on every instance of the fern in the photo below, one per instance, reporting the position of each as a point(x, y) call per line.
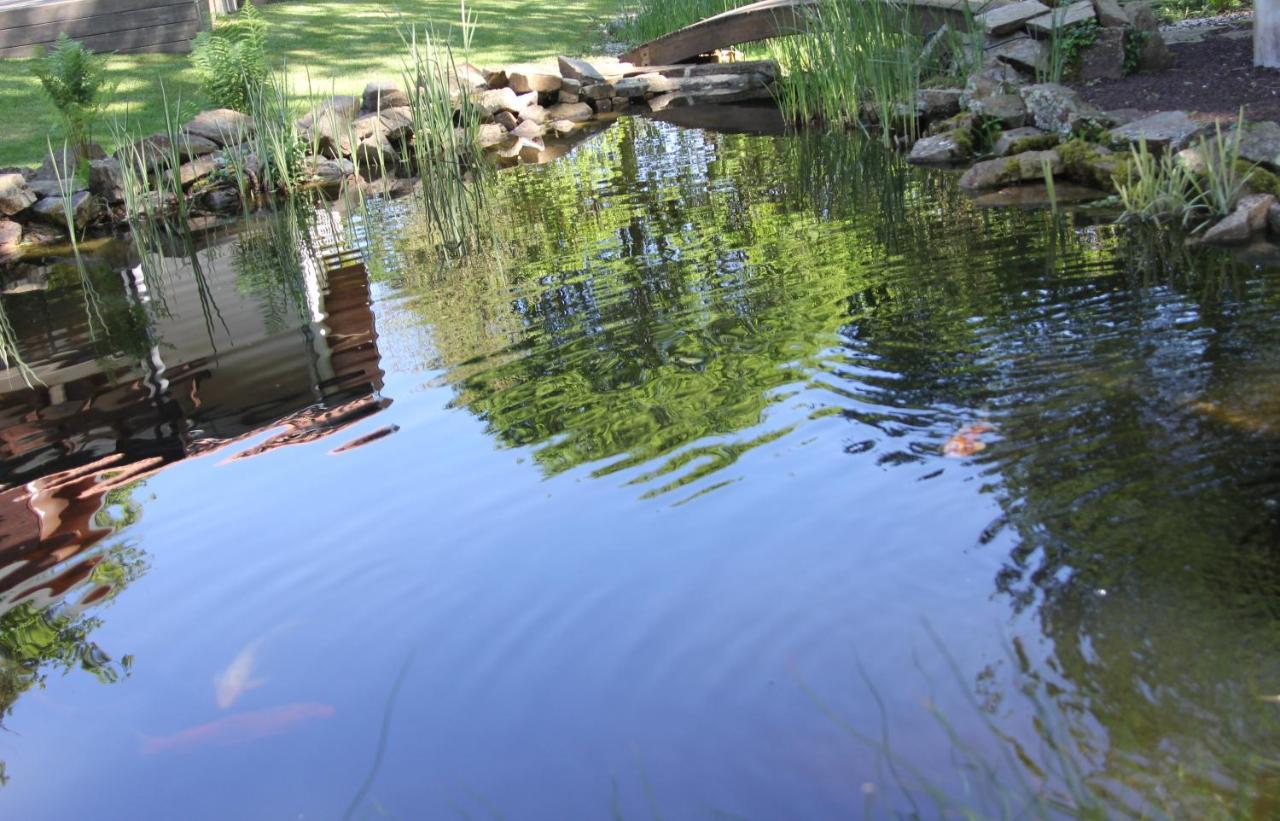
point(232, 58)
point(73, 78)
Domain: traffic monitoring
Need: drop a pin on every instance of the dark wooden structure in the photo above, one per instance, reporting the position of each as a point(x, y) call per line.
point(773, 18)
point(123, 26)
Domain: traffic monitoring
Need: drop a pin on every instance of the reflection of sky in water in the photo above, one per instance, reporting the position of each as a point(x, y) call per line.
point(658, 503)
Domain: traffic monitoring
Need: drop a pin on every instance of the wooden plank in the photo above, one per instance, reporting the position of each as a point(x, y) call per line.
point(69, 9)
point(174, 38)
point(101, 24)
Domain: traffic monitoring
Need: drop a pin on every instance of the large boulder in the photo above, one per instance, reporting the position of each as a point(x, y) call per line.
point(940, 149)
point(15, 195)
point(1010, 18)
point(106, 180)
point(1104, 58)
point(221, 126)
point(376, 157)
point(1249, 218)
point(579, 70)
point(1009, 109)
point(84, 209)
point(1056, 108)
point(1260, 143)
point(383, 95)
point(1029, 165)
point(1154, 54)
point(1163, 131)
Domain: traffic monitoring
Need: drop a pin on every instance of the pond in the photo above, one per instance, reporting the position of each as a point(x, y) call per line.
point(722, 476)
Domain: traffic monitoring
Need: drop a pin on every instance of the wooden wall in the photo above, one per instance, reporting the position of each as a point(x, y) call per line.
point(124, 26)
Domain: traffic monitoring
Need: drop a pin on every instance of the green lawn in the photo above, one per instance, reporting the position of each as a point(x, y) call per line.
point(334, 45)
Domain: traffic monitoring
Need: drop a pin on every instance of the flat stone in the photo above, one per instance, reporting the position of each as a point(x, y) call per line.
point(579, 70)
point(1164, 131)
point(1029, 165)
point(1104, 58)
point(564, 127)
point(1024, 53)
point(573, 112)
point(1009, 109)
point(1056, 108)
point(382, 95)
point(466, 77)
point(221, 126)
point(568, 85)
point(938, 103)
point(330, 173)
point(491, 134)
point(1010, 18)
point(1062, 18)
point(1028, 195)
point(940, 149)
point(492, 101)
point(506, 119)
point(84, 209)
point(1260, 143)
point(990, 81)
point(524, 80)
point(597, 91)
point(528, 130)
point(1009, 141)
point(563, 96)
point(1110, 14)
point(15, 194)
point(196, 170)
point(1249, 218)
point(537, 113)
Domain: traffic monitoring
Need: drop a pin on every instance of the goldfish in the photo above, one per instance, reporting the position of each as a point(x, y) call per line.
point(238, 728)
point(965, 442)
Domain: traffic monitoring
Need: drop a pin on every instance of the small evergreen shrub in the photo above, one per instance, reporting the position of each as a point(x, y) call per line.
point(73, 78)
point(232, 58)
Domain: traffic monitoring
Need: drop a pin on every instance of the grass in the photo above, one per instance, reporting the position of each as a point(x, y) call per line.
point(339, 44)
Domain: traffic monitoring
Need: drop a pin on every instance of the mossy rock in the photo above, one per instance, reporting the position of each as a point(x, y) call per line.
point(1261, 181)
point(1093, 165)
point(1041, 143)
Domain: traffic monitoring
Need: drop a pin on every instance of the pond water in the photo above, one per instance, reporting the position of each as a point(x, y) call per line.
point(728, 476)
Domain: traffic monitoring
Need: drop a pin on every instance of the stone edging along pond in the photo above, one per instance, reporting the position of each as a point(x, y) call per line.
point(1009, 131)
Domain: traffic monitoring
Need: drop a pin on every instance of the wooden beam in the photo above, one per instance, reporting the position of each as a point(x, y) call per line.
point(173, 38)
point(100, 24)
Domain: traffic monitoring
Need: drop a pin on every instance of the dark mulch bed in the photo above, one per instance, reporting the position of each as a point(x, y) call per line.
point(1215, 77)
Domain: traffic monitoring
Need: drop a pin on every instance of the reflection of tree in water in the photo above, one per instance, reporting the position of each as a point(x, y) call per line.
point(668, 288)
point(64, 558)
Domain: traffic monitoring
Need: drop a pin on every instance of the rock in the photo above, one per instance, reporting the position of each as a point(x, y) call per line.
point(10, 239)
point(397, 124)
point(939, 149)
point(466, 77)
point(1260, 143)
point(1062, 18)
point(15, 194)
point(573, 112)
point(220, 200)
point(1009, 109)
point(1110, 14)
point(564, 128)
point(527, 150)
point(937, 103)
point(496, 99)
point(342, 108)
point(1124, 116)
point(634, 87)
point(1056, 108)
point(1273, 219)
point(221, 126)
point(52, 210)
point(1154, 54)
point(506, 119)
point(623, 103)
point(45, 188)
point(1029, 165)
point(568, 85)
point(536, 113)
point(708, 89)
point(565, 97)
point(1092, 165)
point(375, 158)
point(579, 70)
point(597, 91)
point(1023, 53)
point(528, 129)
point(524, 80)
point(491, 134)
point(1010, 18)
point(1103, 59)
point(990, 81)
point(1018, 140)
point(1165, 131)
point(526, 100)
point(329, 173)
point(382, 95)
point(196, 170)
point(1249, 218)
point(607, 104)
point(1037, 195)
point(495, 77)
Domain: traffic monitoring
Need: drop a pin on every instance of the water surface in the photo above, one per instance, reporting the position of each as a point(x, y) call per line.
point(642, 507)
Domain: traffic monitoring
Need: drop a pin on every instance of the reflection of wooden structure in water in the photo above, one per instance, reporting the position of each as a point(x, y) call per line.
point(308, 383)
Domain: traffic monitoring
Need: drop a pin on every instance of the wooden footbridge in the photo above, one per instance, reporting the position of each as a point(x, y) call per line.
point(767, 19)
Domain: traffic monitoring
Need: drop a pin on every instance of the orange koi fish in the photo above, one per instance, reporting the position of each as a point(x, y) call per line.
point(965, 442)
point(238, 728)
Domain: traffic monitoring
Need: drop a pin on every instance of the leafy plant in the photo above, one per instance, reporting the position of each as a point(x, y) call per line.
point(232, 58)
point(73, 78)
point(1134, 41)
point(1223, 177)
point(1065, 46)
point(1157, 188)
